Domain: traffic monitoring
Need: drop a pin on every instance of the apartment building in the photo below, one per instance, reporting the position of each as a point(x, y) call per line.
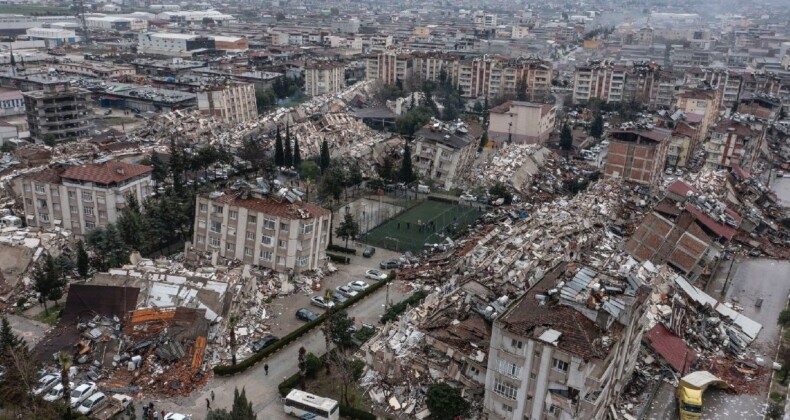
point(443, 152)
point(727, 81)
point(641, 82)
point(58, 112)
point(637, 155)
point(521, 122)
point(324, 78)
point(566, 348)
point(733, 142)
point(269, 230)
point(172, 44)
point(83, 197)
point(11, 103)
point(232, 102)
point(700, 104)
point(98, 70)
point(492, 77)
point(388, 67)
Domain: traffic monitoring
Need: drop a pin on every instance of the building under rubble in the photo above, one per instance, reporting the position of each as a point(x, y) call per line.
point(566, 348)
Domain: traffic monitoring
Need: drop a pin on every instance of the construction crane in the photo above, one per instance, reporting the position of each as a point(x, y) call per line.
point(79, 5)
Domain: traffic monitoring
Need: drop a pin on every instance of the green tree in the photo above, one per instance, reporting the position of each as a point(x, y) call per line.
point(445, 402)
point(109, 249)
point(83, 262)
point(159, 172)
point(65, 361)
point(297, 154)
point(483, 141)
point(386, 170)
point(20, 377)
point(309, 170)
point(340, 328)
point(406, 172)
point(596, 128)
point(499, 190)
point(348, 228)
point(566, 138)
point(349, 371)
point(313, 365)
point(355, 175)
point(325, 159)
point(784, 318)
point(265, 100)
point(302, 364)
point(177, 166)
point(252, 152)
point(332, 181)
point(48, 282)
point(288, 154)
point(131, 224)
point(8, 340)
point(279, 152)
point(408, 123)
point(242, 409)
point(279, 16)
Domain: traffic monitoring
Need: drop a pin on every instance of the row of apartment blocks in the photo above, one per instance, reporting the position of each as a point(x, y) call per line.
point(277, 231)
point(479, 77)
point(648, 84)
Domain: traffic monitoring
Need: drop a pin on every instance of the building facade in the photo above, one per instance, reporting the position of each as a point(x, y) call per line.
point(83, 197)
point(521, 122)
point(265, 230)
point(552, 356)
point(388, 67)
point(443, 152)
point(733, 142)
point(324, 78)
point(233, 102)
point(58, 113)
point(700, 106)
point(637, 155)
point(11, 103)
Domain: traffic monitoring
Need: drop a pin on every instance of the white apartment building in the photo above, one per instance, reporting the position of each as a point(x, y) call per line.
point(553, 356)
point(323, 78)
point(521, 122)
point(266, 230)
point(442, 152)
point(83, 197)
point(232, 102)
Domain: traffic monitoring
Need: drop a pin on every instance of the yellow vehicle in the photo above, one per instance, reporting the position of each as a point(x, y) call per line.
point(689, 393)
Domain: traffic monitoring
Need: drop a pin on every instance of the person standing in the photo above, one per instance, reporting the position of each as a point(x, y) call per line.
point(212, 395)
point(208, 404)
point(266, 369)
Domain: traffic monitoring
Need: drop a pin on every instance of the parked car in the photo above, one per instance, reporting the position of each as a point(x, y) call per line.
point(82, 392)
point(46, 383)
point(368, 252)
point(56, 393)
point(264, 342)
point(376, 275)
point(467, 197)
point(358, 285)
point(346, 291)
point(176, 416)
point(306, 315)
point(322, 302)
point(92, 403)
point(339, 299)
point(389, 264)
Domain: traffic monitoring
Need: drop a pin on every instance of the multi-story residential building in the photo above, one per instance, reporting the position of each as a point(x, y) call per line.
point(59, 112)
point(443, 152)
point(637, 155)
point(95, 69)
point(484, 20)
point(733, 142)
point(83, 197)
point(231, 102)
point(323, 78)
point(681, 143)
point(642, 82)
point(388, 67)
point(727, 81)
point(521, 122)
point(700, 104)
point(565, 349)
point(11, 103)
point(269, 230)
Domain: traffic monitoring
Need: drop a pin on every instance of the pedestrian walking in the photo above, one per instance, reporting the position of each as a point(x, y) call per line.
point(266, 369)
point(208, 404)
point(212, 395)
point(163, 414)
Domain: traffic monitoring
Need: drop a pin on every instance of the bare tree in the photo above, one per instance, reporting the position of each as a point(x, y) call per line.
point(65, 363)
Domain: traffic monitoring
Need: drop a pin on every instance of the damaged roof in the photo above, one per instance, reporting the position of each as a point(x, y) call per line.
point(270, 206)
point(671, 347)
point(106, 173)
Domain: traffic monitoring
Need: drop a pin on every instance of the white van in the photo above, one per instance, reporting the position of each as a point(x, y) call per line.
point(424, 189)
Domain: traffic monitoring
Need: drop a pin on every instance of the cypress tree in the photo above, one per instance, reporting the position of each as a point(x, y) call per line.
point(289, 159)
point(279, 156)
point(297, 154)
point(406, 173)
point(324, 162)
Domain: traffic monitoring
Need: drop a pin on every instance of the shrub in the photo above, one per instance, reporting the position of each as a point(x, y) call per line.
point(314, 364)
point(342, 249)
point(395, 310)
point(340, 259)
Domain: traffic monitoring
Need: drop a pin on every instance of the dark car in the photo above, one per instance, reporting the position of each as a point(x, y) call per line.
point(306, 315)
point(389, 264)
point(264, 342)
point(368, 252)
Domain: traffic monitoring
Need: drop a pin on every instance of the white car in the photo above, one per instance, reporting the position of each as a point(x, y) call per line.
point(176, 416)
point(467, 197)
point(93, 402)
point(46, 383)
point(81, 393)
point(346, 291)
point(375, 275)
point(322, 302)
point(56, 393)
point(358, 285)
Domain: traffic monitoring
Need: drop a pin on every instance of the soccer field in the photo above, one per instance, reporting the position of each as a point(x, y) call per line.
point(426, 222)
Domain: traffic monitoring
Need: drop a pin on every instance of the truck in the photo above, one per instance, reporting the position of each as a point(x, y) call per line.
point(114, 406)
point(689, 393)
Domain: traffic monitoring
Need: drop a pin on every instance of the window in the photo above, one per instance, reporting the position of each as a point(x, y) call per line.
point(247, 251)
point(266, 255)
point(232, 215)
point(72, 194)
point(280, 260)
point(250, 236)
point(230, 246)
point(44, 217)
point(217, 209)
point(27, 187)
point(506, 408)
point(284, 227)
point(216, 227)
point(203, 208)
point(252, 219)
point(213, 242)
point(73, 209)
point(509, 369)
point(40, 189)
point(505, 389)
point(201, 239)
point(282, 243)
point(55, 192)
point(555, 411)
point(90, 225)
point(86, 196)
point(560, 365)
point(100, 199)
point(88, 211)
point(102, 214)
point(308, 228)
point(268, 223)
point(267, 240)
point(517, 344)
point(302, 261)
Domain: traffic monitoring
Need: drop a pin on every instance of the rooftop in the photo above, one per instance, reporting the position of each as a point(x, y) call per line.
point(656, 135)
point(455, 136)
point(269, 205)
point(507, 106)
point(106, 173)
